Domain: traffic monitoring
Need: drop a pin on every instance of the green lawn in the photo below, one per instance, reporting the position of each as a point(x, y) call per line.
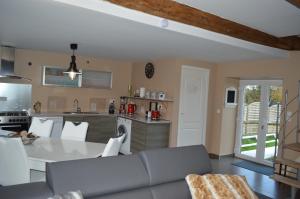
point(254, 141)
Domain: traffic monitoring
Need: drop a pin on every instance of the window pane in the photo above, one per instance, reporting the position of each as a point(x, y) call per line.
point(250, 128)
point(96, 79)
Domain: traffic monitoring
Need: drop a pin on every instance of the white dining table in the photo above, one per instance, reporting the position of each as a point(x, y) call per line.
point(45, 150)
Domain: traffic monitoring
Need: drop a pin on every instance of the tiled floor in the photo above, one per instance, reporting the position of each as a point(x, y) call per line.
point(259, 183)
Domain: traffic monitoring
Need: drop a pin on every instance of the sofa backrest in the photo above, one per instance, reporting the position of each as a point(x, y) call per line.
point(96, 177)
point(173, 164)
point(152, 174)
point(167, 169)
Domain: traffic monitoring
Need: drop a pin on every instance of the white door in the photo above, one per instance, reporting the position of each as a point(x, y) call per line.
point(192, 106)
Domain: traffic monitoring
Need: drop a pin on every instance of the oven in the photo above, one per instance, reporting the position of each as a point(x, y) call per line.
point(14, 127)
point(14, 121)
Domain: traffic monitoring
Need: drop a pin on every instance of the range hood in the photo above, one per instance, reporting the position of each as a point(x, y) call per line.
point(7, 63)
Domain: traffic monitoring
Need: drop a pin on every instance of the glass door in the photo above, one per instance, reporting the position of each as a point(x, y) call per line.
point(273, 120)
point(259, 106)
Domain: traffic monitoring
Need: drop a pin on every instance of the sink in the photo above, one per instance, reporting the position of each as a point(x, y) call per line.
point(70, 112)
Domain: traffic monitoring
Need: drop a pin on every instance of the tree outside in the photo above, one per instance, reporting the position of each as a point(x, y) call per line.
point(252, 94)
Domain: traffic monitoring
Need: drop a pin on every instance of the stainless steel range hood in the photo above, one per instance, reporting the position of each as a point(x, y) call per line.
point(7, 63)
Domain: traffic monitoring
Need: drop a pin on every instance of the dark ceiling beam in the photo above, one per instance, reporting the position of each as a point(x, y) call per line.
point(184, 14)
point(293, 41)
point(295, 2)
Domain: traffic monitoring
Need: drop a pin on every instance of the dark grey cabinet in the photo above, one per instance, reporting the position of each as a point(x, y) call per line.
point(100, 129)
point(148, 136)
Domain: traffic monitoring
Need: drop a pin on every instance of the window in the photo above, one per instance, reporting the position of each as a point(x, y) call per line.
point(96, 79)
point(54, 76)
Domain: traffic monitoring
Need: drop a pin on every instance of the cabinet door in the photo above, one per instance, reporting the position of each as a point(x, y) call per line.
point(149, 136)
point(101, 128)
point(157, 136)
point(138, 137)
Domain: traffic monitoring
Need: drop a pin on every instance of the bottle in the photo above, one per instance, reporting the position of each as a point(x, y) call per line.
point(129, 90)
point(111, 108)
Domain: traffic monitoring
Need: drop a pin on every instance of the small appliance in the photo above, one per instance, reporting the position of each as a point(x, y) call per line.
point(122, 109)
point(153, 108)
point(155, 115)
point(161, 95)
point(131, 108)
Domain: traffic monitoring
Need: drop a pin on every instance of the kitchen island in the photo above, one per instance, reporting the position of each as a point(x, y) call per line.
point(145, 133)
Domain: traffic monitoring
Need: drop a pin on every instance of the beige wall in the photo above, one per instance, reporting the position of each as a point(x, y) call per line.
point(167, 78)
point(228, 122)
point(121, 78)
point(286, 69)
point(220, 124)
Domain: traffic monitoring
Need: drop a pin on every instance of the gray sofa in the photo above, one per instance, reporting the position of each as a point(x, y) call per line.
point(153, 174)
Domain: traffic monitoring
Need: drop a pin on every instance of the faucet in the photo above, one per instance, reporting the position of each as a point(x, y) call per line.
point(75, 105)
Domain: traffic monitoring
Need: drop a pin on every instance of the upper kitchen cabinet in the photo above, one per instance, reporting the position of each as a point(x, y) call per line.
point(96, 79)
point(54, 76)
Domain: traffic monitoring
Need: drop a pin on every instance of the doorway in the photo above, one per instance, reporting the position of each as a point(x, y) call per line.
point(258, 120)
point(192, 106)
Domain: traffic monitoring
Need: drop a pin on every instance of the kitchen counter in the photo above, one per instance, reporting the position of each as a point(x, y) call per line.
point(145, 133)
point(57, 114)
point(135, 117)
point(140, 118)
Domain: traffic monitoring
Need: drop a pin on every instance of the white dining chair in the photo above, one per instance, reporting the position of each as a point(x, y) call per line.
point(41, 126)
point(74, 131)
point(14, 166)
point(113, 146)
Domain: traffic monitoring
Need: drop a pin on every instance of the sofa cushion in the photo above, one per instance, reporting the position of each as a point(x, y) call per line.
point(174, 190)
point(133, 194)
point(36, 190)
point(95, 177)
point(173, 164)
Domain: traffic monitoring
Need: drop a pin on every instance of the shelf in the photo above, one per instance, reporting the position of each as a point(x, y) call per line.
point(147, 99)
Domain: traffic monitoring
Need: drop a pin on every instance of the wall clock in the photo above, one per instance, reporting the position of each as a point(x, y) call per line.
point(149, 70)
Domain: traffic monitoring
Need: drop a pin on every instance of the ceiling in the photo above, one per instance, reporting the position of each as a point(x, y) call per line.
point(51, 25)
point(276, 17)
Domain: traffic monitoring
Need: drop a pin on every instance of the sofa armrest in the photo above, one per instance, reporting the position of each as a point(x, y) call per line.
point(37, 190)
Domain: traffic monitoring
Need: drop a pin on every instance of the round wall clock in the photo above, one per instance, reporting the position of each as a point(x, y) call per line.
point(149, 70)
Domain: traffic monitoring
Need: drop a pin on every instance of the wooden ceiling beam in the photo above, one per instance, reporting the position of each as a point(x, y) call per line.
point(172, 10)
point(295, 2)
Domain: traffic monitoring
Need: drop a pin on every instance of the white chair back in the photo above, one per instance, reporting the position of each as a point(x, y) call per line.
point(41, 126)
point(113, 146)
point(73, 131)
point(14, 166)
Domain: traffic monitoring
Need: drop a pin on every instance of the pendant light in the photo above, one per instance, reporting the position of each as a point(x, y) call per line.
point(72, 70)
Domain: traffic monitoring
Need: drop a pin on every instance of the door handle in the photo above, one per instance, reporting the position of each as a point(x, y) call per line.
point(10, 126)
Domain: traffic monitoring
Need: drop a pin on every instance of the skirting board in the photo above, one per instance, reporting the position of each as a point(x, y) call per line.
point(215, 156)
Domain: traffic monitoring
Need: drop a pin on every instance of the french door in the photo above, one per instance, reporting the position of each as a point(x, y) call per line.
point(258, 120)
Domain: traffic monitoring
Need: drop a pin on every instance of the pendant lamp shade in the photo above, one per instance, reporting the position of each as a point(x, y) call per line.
point(72, 71)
